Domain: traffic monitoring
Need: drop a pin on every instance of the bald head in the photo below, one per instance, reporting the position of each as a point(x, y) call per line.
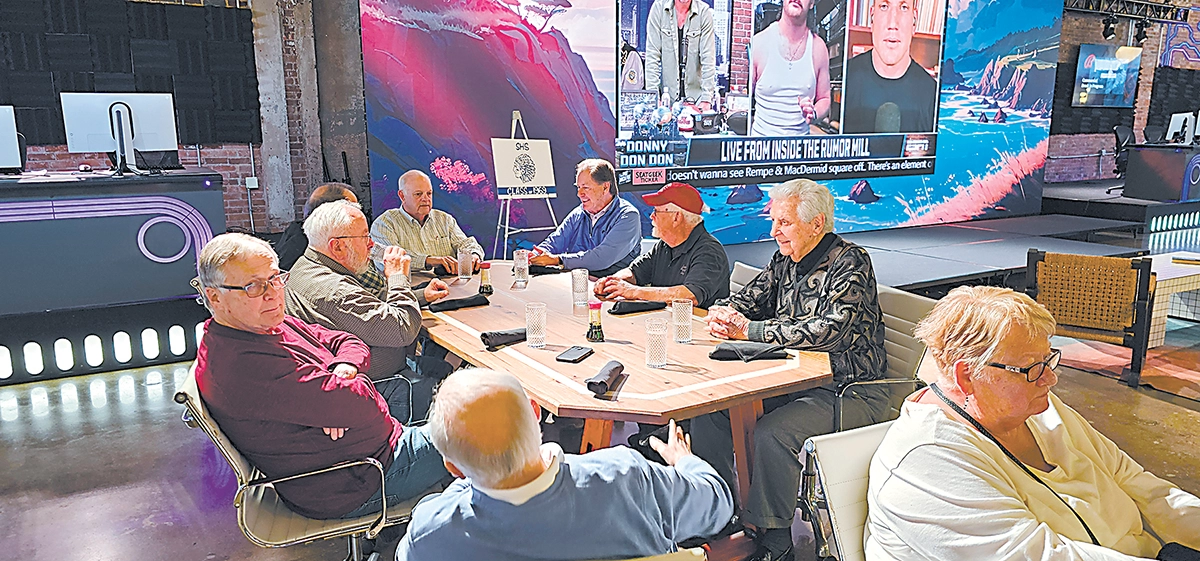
point(484, 425)
point(328, 193)
point(416, 194)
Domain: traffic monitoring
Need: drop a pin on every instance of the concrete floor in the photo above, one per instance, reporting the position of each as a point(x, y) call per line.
point(101, 468)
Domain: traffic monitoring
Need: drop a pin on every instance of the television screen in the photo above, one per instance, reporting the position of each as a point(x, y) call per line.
point(1106, 76)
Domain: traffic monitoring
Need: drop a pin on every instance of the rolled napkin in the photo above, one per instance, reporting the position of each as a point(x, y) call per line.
point(632, 307)
point(539, 270)
point(606, 378)
point(420, 286)
point(747, 351)
point(468, 302)
point(496, 339)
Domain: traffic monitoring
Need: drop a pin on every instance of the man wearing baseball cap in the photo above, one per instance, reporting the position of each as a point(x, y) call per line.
point(686, 263)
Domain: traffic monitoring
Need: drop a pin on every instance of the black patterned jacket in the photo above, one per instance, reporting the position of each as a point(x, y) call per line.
point(826, 302)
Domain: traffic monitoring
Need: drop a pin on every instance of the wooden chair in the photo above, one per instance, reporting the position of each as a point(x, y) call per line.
point(842, 461)
point(262, 515)
point(1104, 299)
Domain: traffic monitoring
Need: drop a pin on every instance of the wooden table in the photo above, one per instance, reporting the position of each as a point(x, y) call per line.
point(690, 385)
point(1176, 293)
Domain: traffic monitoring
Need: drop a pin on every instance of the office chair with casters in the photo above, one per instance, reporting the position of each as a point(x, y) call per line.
point(263, 517)
point(834, 487)
point(901, 312)
point(1124, 137)
point(1154, 134)
point(1104, 299)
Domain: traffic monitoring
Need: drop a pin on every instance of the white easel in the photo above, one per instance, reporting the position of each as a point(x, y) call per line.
point(509, 187)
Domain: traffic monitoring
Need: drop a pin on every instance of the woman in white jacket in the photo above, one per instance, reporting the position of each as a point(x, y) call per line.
point(988, 464)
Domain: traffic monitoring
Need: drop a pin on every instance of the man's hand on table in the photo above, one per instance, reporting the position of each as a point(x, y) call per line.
point(436, 290)
point(610, 288)
point(447, 262)
point(542, 258)
point(727, 323)
point(676, 447)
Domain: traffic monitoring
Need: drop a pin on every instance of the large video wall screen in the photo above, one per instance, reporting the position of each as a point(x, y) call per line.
point(826, 89)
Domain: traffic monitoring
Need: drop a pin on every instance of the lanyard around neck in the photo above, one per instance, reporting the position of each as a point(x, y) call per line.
point(958, 409)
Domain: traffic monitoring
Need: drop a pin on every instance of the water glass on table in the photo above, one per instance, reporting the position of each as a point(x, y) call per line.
point(579, 287)
point(535, 325)
point(465, 258)
point(656, 342)
point(521, 264)
point(681, 318)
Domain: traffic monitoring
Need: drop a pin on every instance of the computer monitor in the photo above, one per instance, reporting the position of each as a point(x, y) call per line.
point(10, 147)
point(1182, 128)
point(120, 123)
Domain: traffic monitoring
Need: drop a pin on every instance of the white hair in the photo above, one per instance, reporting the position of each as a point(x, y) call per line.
point(210, 264)
point(689, 217)
point(453, 437)
point(330, 220)
point(811, 198)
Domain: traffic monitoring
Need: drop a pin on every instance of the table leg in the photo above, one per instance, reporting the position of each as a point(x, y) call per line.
point(597, 433)
point(742, 419)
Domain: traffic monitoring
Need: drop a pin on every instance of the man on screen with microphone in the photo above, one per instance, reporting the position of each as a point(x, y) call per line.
point(886, 90)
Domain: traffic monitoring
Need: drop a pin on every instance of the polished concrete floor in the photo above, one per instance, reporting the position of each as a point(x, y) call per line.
point(101, 468)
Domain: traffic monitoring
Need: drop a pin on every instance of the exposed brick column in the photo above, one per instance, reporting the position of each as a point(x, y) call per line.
point(300, 94)
point(739, 61)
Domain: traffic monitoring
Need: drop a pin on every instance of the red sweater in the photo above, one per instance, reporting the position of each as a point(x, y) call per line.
point(272, 395)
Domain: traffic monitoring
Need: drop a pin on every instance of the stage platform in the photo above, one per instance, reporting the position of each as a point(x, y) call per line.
point(931, 260)
point(1092, 199)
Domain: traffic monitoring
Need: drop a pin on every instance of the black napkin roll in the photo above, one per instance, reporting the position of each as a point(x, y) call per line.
point(468, 302)
point(496, 339)
point(606, 378)
point(539, 270)
point(631, 307)
point(747, 351)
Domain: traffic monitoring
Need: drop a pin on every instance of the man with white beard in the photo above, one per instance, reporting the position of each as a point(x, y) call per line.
point(325, 288)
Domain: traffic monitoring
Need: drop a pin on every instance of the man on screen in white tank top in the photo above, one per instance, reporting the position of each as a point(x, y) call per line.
point(789, 74)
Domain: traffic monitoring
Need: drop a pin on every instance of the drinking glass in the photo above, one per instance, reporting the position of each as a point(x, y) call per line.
point(535, 324)
point(465, 257)
point(656, 342)
point(579, 287)
point(681, 316)
point(377, 256)
point(521, 264)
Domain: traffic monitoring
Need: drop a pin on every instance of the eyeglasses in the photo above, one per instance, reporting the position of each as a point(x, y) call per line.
point(654, 211)
point(258, 288)
point(1034, 372)
point(349, 237)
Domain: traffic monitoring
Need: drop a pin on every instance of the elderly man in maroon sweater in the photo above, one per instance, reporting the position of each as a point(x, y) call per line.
point(292, 397)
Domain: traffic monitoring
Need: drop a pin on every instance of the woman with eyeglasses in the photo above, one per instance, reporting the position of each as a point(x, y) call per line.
point(987, 463)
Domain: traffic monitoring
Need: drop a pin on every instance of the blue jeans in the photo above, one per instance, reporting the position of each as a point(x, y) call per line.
point(416, 466)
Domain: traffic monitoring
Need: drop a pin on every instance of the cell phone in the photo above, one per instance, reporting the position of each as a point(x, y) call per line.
point(574, 355)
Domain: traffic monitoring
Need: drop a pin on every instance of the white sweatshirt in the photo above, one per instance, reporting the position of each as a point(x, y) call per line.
point(940, 490)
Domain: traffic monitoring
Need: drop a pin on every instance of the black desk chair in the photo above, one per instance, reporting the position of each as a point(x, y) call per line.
point(1124, 136)
point(1155, 134)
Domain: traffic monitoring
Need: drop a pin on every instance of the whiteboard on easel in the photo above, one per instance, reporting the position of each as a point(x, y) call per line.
point(524, 168)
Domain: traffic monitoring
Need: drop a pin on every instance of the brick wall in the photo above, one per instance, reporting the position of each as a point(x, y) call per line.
point(232, 161)
point(1072, 161)
point(1079, 28)
point(739, 61)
